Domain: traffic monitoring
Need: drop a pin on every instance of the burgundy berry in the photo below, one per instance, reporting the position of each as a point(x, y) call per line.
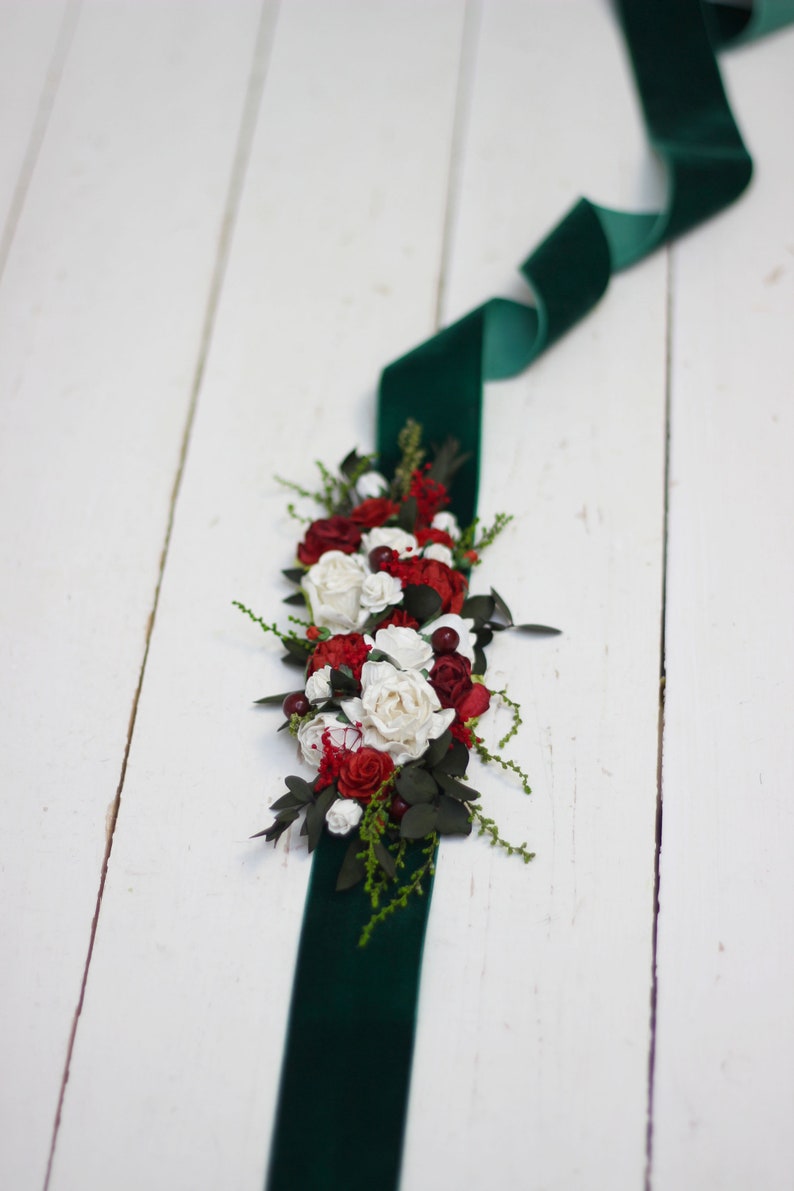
point(380, 557)
point(398, 807)
point(296, 704)
point(445, 640)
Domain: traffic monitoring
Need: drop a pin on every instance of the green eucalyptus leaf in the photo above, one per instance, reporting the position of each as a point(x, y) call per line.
point(294, 574)
point(454, 788)
point(315, 816)
point(421, 602)
point(296, 598)
point(438, 749)
point(537, 630)
point(293, 659)
point(479, 607)
point(418, 821)
point(271, 700)
point(453, 818)
point(287, 802)
point(454, 761)
point(343, 682)
point(300, 789)
point(297, 648)
point(353, 869)
point(415, 785)
point(385, 860)
point(501, 607)
point(480, 662)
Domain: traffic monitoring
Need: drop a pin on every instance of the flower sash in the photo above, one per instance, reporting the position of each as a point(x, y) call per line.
point(352, 1020)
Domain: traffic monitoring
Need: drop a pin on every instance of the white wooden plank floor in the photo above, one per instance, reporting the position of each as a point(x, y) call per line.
point(217, 222)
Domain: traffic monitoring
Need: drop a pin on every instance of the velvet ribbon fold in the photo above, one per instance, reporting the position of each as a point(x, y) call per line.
point(346, 1073)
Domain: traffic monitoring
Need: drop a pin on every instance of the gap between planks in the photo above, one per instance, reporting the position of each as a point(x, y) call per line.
point(253, 97)
point(648, 1180)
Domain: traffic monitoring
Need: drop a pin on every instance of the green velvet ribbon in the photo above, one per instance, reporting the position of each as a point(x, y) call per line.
point(346, 1073)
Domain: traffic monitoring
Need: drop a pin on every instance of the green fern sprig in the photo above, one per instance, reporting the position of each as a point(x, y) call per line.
point(515, 711)
point(483, 752)
point(413, 885)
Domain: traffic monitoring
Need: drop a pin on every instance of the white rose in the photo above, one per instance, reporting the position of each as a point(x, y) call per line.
point(404, 647)
point(370, 485)
point(396, 539)
point(447, 523)
point(333, 588)
point(341, 735)
point(398, 711)
point(318, 685)
point(439, 552)
point(343, 816)
point(462, 628)
point(380, 591)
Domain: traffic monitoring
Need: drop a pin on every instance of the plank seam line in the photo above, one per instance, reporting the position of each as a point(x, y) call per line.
point(472, 16)
point(41, 121)
point(648, 1182)
point(263, 44)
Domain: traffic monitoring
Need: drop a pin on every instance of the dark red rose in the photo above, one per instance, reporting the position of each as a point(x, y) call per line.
point(450, 678)
point(423, 536)
point(362, 773)
point(400, 618)
point(329, 533)
point(449, 584)
point(372, 513)
point(343, 649)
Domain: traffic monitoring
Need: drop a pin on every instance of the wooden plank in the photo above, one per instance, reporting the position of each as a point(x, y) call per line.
point(334, 270)
point(34, 39)
point(724, 1096)
point(534, 1025)
point(101, 315)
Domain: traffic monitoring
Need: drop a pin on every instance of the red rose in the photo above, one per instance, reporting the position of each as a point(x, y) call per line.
point(450, 678)
point(329, 533)
point(372, 513)
point(343, 649)
point(362, 773)
point(423, 536)
point(449, 584)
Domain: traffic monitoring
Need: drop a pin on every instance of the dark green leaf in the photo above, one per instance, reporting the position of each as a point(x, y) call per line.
point(343, 683)
point(418, 821)
point(294, 574)
point(315, 816)
point(421, 602)
point(415, 785)
point(437, 749)
point(277, 828)
point(537, 630)
point(287, 802)
point(351, 464)
point(478, 607)
point(353, 869)
point(385, 860)
point(407, 516)
point(300, 789)
point(456, 789)
point(502, 608)
point(454, 761)
point(293, 659)
point(296, 598)
point(271, 700)
point(480, 663)
point(297, 648)
point(453, 818)
point(447, 461)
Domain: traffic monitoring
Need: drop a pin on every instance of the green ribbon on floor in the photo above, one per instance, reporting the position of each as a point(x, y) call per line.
point(346, 1074)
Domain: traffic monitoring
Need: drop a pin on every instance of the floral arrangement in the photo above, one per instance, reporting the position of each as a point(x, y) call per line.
point(392, 662)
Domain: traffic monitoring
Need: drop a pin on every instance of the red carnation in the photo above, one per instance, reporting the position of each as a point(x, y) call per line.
point(329, 533)
point(372, 513)
point(450, 678)
point(363, 772)
point(343, 649)
point(449, 584)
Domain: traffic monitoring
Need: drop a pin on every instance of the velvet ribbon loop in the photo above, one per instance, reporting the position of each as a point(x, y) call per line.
point(346, 1072)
